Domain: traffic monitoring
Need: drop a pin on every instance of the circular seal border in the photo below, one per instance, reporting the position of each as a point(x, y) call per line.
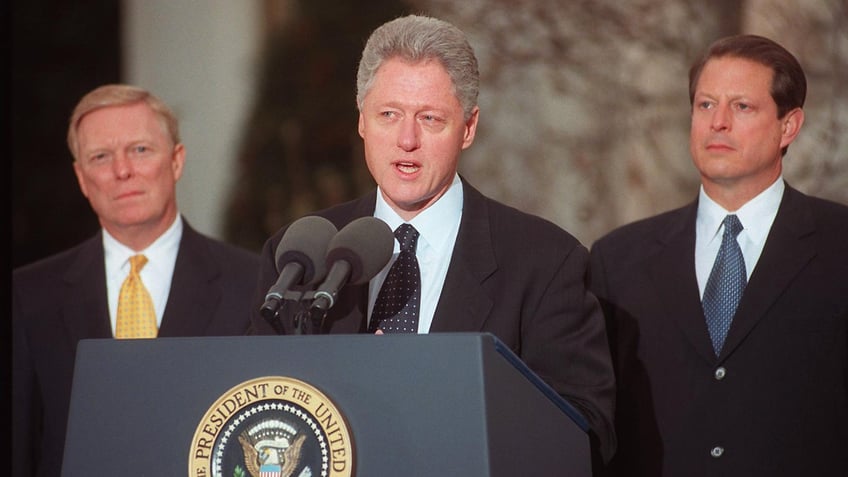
point(272, 388)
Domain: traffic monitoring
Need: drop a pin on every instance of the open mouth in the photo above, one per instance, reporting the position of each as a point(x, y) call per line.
point(407, 167)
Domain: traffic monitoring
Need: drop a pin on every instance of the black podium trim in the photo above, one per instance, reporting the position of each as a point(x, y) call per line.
point(542, 386)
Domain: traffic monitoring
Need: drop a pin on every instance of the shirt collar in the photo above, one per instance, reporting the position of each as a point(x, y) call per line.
point(163, 250)
point(433, 223)
point(756, 215)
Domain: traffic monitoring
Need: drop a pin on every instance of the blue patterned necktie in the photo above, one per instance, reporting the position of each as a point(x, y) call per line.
point(397, 305)
point(726, 283)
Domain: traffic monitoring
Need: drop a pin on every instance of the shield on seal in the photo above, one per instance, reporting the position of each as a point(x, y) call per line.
point(270, 470)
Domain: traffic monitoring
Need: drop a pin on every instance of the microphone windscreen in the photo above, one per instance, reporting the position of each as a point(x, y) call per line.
point(366, 243)
point(305, 242)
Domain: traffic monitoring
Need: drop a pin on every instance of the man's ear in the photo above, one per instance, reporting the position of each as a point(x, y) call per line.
point(791, 126)
point(178, 161)
point(471, 128)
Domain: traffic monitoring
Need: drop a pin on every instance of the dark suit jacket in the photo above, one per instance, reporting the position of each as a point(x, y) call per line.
point(776, 399)
point(62, 299)
point(514, 275)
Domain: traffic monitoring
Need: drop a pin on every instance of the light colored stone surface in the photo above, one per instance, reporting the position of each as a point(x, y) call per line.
point(585, 108)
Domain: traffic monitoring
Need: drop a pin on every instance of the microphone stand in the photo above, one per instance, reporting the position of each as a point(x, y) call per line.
point(292, 298)
point(317, 316)
point(309, 312)
point(299, 320)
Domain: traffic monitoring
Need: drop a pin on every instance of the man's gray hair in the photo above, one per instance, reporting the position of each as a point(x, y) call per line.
point(111, 95)
point(416, 38)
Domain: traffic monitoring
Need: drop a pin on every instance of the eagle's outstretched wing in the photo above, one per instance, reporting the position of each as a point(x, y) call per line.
point(292, 456)
point(251, 456)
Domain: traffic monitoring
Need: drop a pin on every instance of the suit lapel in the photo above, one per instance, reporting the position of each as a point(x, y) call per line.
point(86, 312)
point(789, 247)
point(195, 288)
point(675, 283)
point(464, 305)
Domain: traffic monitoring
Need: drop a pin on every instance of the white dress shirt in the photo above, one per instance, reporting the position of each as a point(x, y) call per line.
point(756, 216)
point(437, 226)
point(156, 274)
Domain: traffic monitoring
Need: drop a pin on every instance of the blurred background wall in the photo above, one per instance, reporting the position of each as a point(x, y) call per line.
point(584, 104)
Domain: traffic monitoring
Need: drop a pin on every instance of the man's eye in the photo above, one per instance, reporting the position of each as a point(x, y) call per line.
point(431, 118)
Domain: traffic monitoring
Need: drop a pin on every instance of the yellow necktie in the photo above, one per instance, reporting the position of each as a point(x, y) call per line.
point(136, 316)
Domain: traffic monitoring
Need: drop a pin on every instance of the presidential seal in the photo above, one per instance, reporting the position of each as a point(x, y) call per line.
point(272, 427)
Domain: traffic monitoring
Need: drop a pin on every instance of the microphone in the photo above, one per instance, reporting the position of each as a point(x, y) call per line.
point(358, 252)
point(299, 258)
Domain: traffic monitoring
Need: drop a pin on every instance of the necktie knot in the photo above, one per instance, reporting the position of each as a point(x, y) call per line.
point(137, 262)
point(732, 226)
point(407, 236)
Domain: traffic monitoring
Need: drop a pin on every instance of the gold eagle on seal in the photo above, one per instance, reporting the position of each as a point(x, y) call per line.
point(283, 454)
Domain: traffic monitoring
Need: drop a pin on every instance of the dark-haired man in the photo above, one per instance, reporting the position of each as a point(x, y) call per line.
point(729, 317)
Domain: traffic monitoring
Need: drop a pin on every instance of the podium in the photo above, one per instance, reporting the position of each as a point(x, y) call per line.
point(412, 405)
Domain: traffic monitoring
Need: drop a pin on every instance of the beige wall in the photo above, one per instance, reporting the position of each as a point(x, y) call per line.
point(585, 110)
point(199, 57)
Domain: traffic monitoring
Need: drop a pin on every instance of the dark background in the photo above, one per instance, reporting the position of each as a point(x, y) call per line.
point(59, 51)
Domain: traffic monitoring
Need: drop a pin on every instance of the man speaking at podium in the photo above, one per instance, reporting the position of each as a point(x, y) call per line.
point(462, 262)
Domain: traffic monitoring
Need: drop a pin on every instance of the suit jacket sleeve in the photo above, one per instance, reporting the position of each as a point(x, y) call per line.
point(522, 278)
point(565, 342)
